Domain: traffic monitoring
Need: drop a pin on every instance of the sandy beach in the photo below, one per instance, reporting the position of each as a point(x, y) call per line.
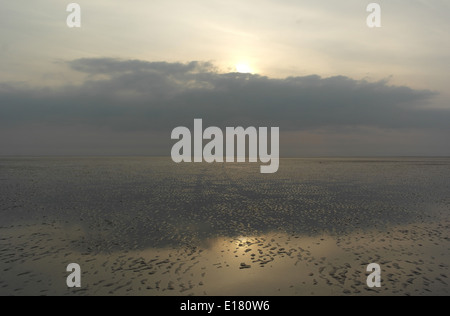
point(141, 226)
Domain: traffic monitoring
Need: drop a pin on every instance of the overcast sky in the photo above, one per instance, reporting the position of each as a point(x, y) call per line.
point(137, 69)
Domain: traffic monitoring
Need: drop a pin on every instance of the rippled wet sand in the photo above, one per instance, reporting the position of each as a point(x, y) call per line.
point(144, 226)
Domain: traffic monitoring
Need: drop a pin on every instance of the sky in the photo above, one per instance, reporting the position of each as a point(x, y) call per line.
point(137, 69)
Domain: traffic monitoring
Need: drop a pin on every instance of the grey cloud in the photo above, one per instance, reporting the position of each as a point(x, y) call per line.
point(132, 95)
point(116, 66)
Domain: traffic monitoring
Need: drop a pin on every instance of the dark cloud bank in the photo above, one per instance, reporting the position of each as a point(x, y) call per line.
point(122, 101)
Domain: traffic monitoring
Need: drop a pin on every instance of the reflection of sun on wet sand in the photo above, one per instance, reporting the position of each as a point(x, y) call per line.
point(144, 226)
point(414, 261)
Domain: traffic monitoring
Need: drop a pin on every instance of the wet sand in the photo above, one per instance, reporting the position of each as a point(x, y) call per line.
point(312, 229)
point(414, 261)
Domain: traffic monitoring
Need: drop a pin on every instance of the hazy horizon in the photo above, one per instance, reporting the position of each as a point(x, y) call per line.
point(168, 157)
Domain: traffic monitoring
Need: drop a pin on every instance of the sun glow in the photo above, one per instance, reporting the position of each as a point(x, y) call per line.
point(244, 68)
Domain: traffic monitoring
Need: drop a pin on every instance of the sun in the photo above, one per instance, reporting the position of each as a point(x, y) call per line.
point(244, 68)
